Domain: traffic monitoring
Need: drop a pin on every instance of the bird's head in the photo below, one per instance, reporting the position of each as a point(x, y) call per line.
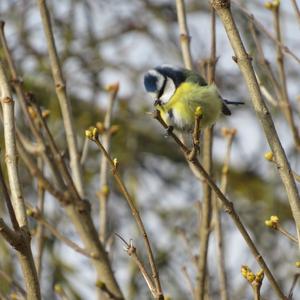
point(159, 85)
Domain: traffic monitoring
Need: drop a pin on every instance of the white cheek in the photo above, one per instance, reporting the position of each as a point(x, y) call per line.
point(166, 97)
point(169, 90)
point(153, 95)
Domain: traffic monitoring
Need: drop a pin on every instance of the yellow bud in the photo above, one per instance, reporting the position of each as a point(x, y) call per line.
point(88, 133)
point(245, 270)
point(32, 112)
point(114, 129)
point(272, 5)
point(268, 223)
point(100, 127)
point(58, 288)
point(297, 264)
point(29, 212)
point(268, 5)
point(95, 132)
point(269, 156)
point(92, 133)
point(274, 219)
point(46, 113)
point(116, 163)
point(260, 275)
point(105, 190)
point(198, 111)
point(250, 277)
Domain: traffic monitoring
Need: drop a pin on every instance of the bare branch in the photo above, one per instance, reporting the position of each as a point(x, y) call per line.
point(64, 101)
point(104, 193)
point(260, 108)
point(229, 208)
point(93, 135)
point(184, 34)
point(131, 251)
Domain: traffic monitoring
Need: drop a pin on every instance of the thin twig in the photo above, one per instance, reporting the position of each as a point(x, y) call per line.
point(229, 208)
point(56, 154)
point(41, 146)
point(265, 31)
point(14, 283)
point(64, 100)
point(286, 105)
point(217, 217)
point(40, 227)
point(84, 152)
point(286, 233)
point(131, 250)
point(297, 10)
point(193, 258)
point(296, 277)
point(263, 114)
point(37, 215)
point(81, 218)
point(189, 281)
point(262, 60)
point(106, 136)
point(184, 34)
point(135, 213)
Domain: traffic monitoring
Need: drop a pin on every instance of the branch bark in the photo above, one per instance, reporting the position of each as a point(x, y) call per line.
point(20, 238)
point(228, 207)
point(64, 101)
point(244, 62)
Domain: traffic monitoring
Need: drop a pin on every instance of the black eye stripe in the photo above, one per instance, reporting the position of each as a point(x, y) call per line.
point(161, 91)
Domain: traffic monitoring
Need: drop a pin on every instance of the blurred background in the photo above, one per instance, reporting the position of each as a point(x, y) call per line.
point(104, 42)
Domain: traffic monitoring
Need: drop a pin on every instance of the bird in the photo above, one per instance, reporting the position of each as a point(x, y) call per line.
point(177, 93)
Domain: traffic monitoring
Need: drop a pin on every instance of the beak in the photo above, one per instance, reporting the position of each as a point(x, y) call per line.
point(157, 102)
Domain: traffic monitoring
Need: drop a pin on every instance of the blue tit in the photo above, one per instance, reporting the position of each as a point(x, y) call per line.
point(178, 92)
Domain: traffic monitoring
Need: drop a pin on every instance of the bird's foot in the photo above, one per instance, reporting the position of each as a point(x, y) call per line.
point(169, 130)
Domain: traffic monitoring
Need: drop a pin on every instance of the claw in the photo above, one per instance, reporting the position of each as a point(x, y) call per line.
point(169, 131)
point(157, 102)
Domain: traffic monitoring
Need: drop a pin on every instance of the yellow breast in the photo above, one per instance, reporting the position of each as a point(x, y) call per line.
point(179, 111)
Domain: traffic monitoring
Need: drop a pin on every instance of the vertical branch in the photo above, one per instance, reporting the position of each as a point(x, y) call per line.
point(40, 227)
point(297, 10)
point(184, 34)
point(208, 165)
point(64, 101)
point(263, 114)
point(18, 85)
point(217, 219)
point(92, 134)
point(228, 207)
point(21, 237)
point(104, 189)
point(7, 104)
point(284, 98)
